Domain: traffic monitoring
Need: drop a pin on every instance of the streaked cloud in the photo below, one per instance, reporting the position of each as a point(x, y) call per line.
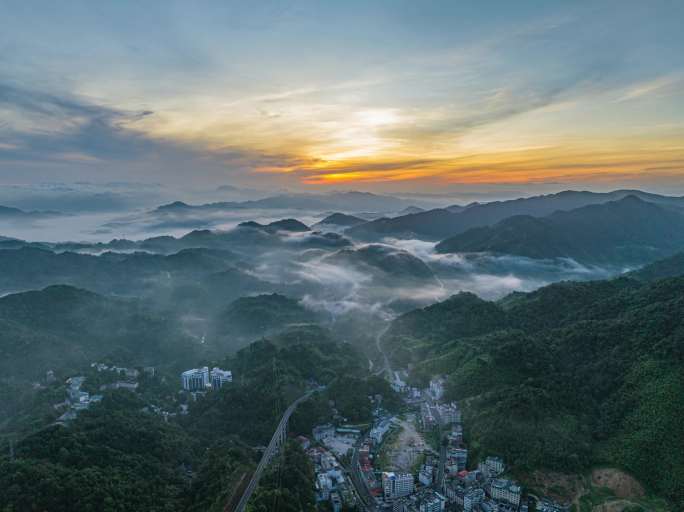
point(304, 94)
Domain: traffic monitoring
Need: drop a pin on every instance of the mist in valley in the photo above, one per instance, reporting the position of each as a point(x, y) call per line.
point(196, 264)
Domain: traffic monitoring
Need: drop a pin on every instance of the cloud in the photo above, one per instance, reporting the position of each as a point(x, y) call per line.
point(51, 135)
point(662, 85)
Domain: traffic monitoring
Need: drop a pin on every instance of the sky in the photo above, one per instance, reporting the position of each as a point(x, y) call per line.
point(390, 96)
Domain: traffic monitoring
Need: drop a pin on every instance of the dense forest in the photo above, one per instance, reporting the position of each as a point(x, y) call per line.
point(120, 456)
point(571, 375)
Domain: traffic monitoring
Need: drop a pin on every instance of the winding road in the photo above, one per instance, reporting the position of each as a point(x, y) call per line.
point(386, 368)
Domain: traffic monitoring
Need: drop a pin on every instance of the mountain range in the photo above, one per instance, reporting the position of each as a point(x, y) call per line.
point(16, 214)
point(438, 224)
point(629, 232)
point(334, 201)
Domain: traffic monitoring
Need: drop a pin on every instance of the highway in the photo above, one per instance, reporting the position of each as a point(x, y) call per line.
point(277, 440)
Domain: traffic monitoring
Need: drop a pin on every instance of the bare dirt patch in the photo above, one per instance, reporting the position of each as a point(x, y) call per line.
point(407, 447)
point(622, 484)
point(558, 486)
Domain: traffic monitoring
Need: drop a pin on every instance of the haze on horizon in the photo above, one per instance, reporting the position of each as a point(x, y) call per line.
point(394, 97)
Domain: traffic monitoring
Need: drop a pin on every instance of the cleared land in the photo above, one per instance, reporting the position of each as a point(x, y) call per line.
point(405, 447)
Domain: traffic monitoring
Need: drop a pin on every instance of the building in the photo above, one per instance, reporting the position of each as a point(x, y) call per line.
point(196, 379)
point(414, 393)
point(220, 377)
point(303, 442)
point(472, 498)
point(432, 502)
point(427, 416)
point(120, 384)
point(449, 413)
point(321, 432)
point(456, 434)
point(364, 455)
point(397, 485)
point(472, 477)
point(505, 490)
point(378, 432)
point(437, 388)
point(324, 486)
point(455, 493)
point(460, 457)
point(336, 502)
point(425, 475)
point(547, 505)
point(492, 466)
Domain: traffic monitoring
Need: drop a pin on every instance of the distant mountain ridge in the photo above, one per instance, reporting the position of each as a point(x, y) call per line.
point(243, 238)
point(11, 213)
point(441, 223)
point(629, 231)
point(292, 225)
point(335, 201)
point(340, 220)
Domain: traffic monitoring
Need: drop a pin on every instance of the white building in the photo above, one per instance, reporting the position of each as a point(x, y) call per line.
point(379, 431)
point(473, 497)
point(437, 388)
point(433, 502)
point(425, 475)
point(398, 383)
point(427, 416)
point(505, 490)
point(454, 493)
point(492, 466)
point(397, 485)
point(196, 379)
point(220, 377)
point(324, 486)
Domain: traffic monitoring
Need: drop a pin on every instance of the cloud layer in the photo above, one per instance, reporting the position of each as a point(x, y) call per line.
point(448, 96)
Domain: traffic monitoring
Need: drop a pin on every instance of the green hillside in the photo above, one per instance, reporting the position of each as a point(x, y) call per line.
point(571, 375)
point(62, 328)
point(627, 232)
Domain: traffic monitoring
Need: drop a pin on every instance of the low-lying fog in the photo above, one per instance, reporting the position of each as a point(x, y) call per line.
point(380, 279)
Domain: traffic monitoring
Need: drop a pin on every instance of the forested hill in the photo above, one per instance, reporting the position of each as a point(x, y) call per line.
point(570, 375)
point(627, 232)
point(669, 267)
point(63, 328)
point(119, 455)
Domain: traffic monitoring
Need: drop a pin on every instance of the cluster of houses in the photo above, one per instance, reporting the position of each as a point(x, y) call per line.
point(117, 377)
point(400, 493)
point(483, 489)
point(332, 485)
point(76, 399)
point(445, 482)
point(127, 378)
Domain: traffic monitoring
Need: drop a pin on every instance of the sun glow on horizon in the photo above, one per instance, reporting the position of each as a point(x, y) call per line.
point(437, 98)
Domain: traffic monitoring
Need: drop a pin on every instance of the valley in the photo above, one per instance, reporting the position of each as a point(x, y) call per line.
point(430, 360)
